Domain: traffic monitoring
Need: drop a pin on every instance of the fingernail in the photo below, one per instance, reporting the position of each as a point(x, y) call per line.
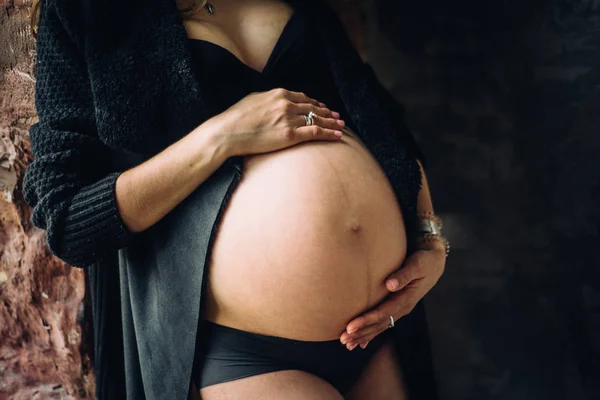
point(365, 345)
point(353, 346)
point(340, 122)
point(393, 283)
point(353, 329)
point(335, 114)
point(322, 104)
point(343, 341)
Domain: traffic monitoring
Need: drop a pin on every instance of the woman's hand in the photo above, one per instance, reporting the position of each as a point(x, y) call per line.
point(419, 273)
point(267, 121)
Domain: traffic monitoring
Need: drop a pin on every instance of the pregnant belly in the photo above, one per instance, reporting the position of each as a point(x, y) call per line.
point(305, 242)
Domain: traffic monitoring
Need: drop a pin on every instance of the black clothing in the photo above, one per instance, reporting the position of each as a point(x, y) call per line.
point(230, 353)
point(115, 86)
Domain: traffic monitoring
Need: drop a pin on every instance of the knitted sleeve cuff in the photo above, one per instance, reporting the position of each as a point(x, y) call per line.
point(92, 223)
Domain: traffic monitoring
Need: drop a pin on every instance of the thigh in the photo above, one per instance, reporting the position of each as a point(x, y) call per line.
point(382, 377)
point(279, 385)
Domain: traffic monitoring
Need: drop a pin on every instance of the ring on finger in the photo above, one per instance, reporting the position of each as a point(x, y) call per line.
point(309, 119)
point(391, 324)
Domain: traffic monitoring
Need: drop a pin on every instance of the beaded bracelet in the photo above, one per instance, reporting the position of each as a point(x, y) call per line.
point(426, 237)
point(430, 216)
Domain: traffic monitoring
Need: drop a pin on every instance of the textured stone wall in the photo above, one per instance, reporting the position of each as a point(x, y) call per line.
point(43, 351)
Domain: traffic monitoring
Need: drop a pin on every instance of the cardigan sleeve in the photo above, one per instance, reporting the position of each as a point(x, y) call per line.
point(385, 100)
point(69, 184)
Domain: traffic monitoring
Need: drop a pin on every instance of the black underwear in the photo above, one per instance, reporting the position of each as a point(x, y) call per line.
point(227, 353)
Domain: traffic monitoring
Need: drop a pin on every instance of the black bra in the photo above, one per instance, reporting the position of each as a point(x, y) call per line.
point(212, 50)
point(216, 57)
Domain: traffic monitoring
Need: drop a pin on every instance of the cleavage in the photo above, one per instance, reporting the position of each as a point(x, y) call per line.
point(275, 47)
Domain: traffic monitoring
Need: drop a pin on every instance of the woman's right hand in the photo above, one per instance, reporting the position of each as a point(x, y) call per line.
point(268, 121)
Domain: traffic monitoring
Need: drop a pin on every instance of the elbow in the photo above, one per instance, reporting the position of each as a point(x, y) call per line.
point(67, 250)
point(80, 239)
point(74, 201)
point(70, 258)
point(78, 254)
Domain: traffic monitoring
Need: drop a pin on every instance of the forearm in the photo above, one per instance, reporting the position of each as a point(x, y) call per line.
point(147, 192)
point(425, 205)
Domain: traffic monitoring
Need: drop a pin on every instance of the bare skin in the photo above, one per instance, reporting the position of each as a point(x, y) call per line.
point(340, 255)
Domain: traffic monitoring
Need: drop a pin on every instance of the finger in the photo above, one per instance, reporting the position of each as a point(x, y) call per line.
point(345, 337)
point(312, 132)
point(364, 339)
point(372, 317)
point(351, 347)
point(369, 337)
point(364, 345)
point(310, 100)
point(305, 108)
point(402, 277)
point(330, 123)
point(359, 335)
point(301, 97)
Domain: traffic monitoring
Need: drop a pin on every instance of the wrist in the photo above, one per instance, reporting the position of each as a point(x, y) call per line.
point(435, 243)
point(430, 233)
point(432, 242)
point(214, 133)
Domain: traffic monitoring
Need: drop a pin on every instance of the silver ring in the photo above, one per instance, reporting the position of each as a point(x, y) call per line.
point(308, 119)
point(391, 325)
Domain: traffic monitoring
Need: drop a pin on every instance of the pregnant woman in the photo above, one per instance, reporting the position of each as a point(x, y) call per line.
point(278, 208)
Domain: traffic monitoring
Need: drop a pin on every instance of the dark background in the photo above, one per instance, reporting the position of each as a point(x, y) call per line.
point(504, 98)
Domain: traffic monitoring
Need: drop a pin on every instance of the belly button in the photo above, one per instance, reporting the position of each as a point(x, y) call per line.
point(355, 226)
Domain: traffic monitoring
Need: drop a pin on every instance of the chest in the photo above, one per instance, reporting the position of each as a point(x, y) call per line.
point(146, 85)
point(249, 31)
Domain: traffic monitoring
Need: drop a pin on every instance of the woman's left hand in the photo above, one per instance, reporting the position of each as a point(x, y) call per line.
point(418, 274)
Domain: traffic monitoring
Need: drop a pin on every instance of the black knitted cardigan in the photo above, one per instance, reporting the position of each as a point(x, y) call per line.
point(119, 80)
